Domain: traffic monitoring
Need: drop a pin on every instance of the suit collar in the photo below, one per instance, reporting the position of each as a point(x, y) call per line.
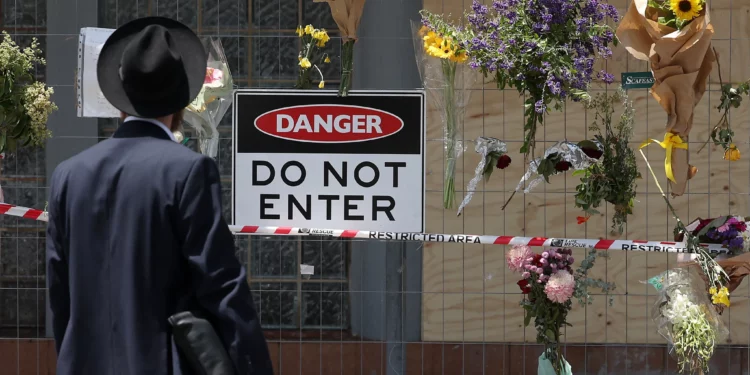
point(139, 129)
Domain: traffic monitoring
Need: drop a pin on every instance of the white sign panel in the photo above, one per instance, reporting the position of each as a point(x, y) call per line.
point(91, 101)
point(311, 159)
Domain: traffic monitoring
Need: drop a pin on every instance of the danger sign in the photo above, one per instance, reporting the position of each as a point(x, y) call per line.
point(312, 159)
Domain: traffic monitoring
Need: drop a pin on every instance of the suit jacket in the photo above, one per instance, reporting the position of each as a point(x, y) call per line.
point(135, 235)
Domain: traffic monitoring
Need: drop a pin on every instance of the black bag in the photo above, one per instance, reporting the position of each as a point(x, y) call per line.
point(200, 345)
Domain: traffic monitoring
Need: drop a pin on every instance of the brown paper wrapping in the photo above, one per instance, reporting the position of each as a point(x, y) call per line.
point(736, 268)
point(347, 14)
point(680, 62)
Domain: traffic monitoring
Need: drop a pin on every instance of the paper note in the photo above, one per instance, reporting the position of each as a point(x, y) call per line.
point(91, 101)
point(306, 269)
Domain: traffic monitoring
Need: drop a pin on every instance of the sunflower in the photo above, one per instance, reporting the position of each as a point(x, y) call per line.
point(686, 10)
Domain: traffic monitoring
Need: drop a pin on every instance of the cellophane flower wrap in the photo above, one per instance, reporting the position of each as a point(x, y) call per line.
point(205, 113)
point(681, 58)
point(491, 150)
point(545, 49)
point(441, 61)
point(549, 283)
point(684, 317)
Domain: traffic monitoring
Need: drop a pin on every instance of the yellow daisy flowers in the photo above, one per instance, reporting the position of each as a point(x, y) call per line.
point(442, 47)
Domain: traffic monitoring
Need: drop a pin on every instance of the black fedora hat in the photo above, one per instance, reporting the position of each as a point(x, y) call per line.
point(151, 67)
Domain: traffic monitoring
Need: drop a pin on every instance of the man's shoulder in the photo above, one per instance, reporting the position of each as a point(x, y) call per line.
point(108, 154)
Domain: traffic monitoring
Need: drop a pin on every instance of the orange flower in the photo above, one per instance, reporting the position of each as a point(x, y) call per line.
point(583, 219)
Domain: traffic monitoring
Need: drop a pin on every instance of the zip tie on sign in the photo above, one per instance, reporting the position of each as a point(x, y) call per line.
point(601, 244)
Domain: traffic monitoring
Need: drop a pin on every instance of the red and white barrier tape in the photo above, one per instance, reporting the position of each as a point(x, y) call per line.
point(627, 245)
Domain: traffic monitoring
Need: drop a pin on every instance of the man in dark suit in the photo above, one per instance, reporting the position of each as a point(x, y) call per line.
point(135, 230)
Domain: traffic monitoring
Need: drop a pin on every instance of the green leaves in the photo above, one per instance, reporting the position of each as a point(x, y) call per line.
point(24, 103)
point(613, 179)
point(548, 166)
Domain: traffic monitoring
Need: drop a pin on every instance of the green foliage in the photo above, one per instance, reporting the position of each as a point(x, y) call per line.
point(24, 103)
point(613, 179)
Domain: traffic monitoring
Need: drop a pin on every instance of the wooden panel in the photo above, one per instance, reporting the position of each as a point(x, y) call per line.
point(468, 294)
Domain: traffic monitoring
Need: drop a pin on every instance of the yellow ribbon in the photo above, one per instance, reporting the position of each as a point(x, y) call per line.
point(670, 142)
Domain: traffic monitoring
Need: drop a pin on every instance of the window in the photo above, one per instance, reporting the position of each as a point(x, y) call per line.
point(289, 300)
point(261, 47)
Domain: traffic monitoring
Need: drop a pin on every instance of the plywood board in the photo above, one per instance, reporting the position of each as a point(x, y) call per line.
point(468, 293)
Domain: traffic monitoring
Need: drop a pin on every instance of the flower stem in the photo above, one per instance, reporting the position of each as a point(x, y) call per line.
point(347, 64)
point(451, 133)
point(714, 273)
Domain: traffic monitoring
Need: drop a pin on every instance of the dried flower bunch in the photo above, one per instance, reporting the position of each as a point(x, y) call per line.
point(25, 103)
point(613, 178)
point(722, 134)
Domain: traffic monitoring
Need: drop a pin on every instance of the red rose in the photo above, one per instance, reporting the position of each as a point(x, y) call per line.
point(702, 224)
point(562, 166)
point(741, 227)
point(537, 258)
point(503, 162)
point(524, 285)
point(593, 153)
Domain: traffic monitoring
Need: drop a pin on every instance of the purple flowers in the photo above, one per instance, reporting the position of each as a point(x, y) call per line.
point(561, 40)
point(544, 48)
point(729, 234)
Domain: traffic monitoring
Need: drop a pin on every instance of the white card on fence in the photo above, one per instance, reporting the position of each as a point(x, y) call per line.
point(91, 101)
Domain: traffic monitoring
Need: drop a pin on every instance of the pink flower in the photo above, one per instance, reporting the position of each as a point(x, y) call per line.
point(526, 275)
point(517, 257)
point(213, 76)
point(560, 287)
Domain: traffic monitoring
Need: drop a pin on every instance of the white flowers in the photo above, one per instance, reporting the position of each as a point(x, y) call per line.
point(679, 308)
point(560, 286)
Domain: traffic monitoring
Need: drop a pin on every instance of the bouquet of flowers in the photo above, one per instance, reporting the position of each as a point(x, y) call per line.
point(25, 103)
point(612, 178)
point(674, 36)
point(545, 49)
point(313, 41)
point(494, 155)
point(440, 57)
point(207, 110)
point(559, 158)
point(730, 231)
point(548, 284)
point(684, 318)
